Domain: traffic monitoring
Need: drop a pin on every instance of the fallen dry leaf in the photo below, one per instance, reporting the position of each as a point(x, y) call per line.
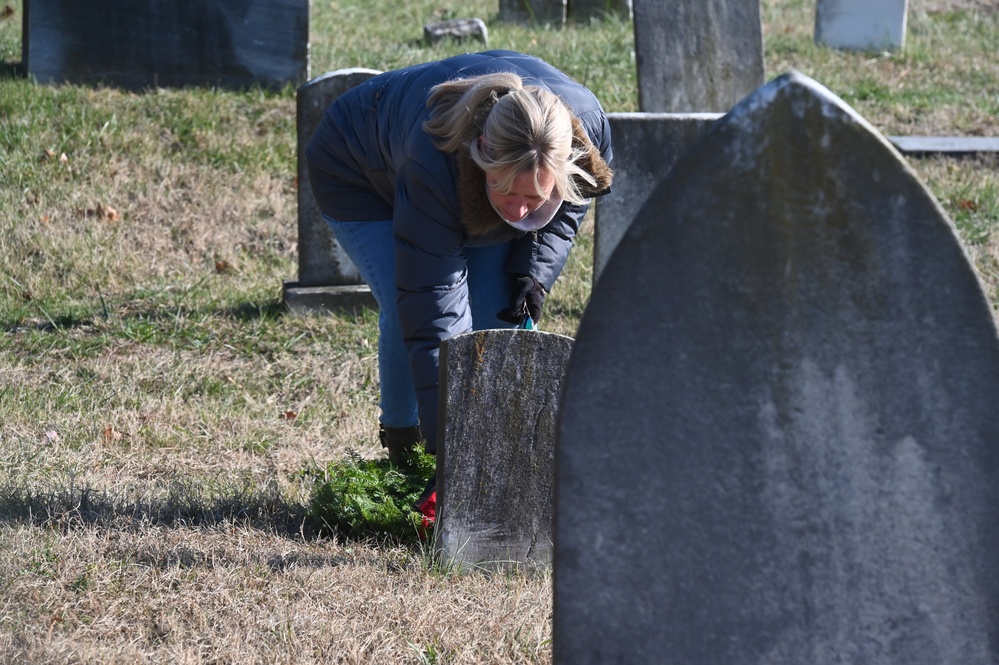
point(105, 212)
point(223, 267)
point(966, 204)
point(289, 415)
point(111, 435)
point(109, 213)
point(7, 12)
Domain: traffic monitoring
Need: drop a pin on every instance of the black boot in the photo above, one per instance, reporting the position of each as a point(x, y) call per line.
point(400, 441)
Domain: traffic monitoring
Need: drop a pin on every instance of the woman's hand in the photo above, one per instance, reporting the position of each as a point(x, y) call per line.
point(528, 298)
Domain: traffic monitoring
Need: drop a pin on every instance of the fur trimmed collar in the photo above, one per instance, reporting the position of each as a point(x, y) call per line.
point(477, 215)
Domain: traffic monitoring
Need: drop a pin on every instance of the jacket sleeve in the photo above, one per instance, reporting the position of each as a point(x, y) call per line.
point(543, 254)
point(431, 281)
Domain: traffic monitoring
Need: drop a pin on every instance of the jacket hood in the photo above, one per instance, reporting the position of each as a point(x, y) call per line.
point(478, 218)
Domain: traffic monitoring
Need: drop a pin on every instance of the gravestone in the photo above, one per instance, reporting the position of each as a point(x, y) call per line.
point(949, 145)
point(533, 11)
point(457, 29)
point(167, 43)
point(327, 279)
point(782, 446)
point(499, 393)
point(646, 145)
point(584, 10)
point(697, 56)
point(861, 25)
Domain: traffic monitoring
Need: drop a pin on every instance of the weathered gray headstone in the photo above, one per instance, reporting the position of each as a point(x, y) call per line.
point(458, 29)
point(533, 11)
point(782, 446)
point(646, 145)
point(697, 56)
point(584, 10)
point(499, 394)
point(327, 280)
point(167, 43)
point(861, 25)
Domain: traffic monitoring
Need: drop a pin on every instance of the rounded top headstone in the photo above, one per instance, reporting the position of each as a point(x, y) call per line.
point(777, 441)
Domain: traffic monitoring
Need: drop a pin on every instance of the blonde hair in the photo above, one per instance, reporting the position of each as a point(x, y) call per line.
point(526, 128)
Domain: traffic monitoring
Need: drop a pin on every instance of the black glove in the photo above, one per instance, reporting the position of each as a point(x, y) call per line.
point(528, 297)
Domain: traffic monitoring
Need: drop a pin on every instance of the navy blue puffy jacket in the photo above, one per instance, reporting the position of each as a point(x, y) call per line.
point(371, 160)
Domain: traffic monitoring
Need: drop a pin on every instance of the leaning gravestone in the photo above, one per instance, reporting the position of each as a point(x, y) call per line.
point(167, 43)
point(696, 56)
point(327, 279)
point(499, 393)
point(533, 11)
point(861, 25)
point(646, 147)
point(782, 446)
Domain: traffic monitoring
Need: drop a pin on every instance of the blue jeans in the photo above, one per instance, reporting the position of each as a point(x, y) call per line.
point(371, 247)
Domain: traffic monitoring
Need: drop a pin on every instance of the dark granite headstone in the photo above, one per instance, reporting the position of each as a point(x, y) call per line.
point(327, 279)
point(499, 394)
point(646, 145)
point(697, 56)
point(782, 446)
point(167, 43)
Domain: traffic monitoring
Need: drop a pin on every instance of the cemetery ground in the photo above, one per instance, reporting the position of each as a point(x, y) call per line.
point(163, 420)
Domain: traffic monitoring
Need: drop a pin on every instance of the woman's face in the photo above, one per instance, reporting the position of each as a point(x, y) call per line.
point(523, 198)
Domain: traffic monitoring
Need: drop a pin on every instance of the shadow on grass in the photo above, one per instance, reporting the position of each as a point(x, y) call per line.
point(41, 320)
point(68, 510)
point(181, 505)
point(12, 70)
point(254, 311)
point(245, 312)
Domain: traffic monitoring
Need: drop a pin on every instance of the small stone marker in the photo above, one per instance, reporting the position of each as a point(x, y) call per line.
point(782, 446)
point(646, 147)
point(950, 145)
point(861, 25)
point(167, 43)
point(327, 279)
point(499, 395)
point(697, 56)
point(533, 11)
point(459, 29)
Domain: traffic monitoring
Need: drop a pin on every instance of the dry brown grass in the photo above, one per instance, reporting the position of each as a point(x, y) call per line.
point(143, 593)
